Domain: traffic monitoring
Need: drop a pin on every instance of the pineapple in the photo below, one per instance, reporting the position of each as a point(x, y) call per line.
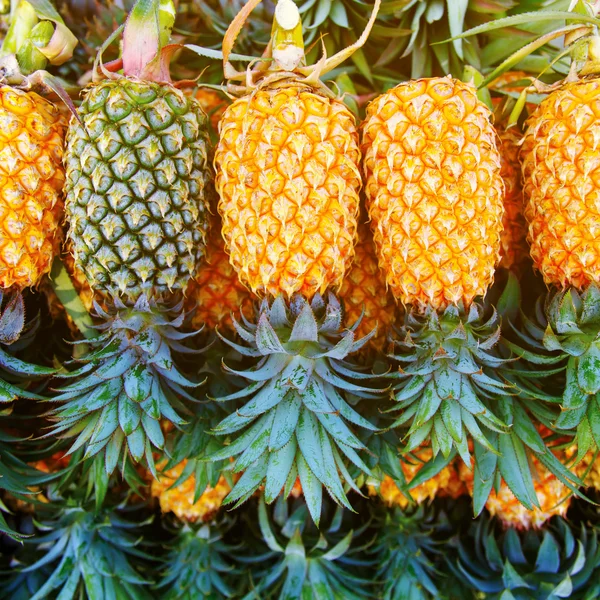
point(435, 196)
point(560, 170)
point(31, 206)
point(558, 175)
point(434, 191)
point(137, 204)
point(560, 560)
point(294, 153)
point(288, 183)
point(216, 293)
point(363, 293)
point(135, 191)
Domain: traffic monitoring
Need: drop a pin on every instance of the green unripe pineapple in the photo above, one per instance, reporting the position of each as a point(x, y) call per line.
point(136, 189)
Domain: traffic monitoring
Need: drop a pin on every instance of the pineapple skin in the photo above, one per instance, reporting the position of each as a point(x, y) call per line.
point(561, 175)
point(287, 173)
point(446, 483)
point(434, 191)
point(137, 188)
point(216, 292)
point(514, 250)
point(364, 288)
point(31, 182)
point(180, 499)
point(553, 496)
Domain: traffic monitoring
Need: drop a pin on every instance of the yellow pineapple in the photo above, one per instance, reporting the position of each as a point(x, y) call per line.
point(31, 182)
point(435, 196)
point(288, 179)
point(288, 182)
point(560, 173)
point(180, 499)
point(364, 289)
point(216, 291)
point(434, 191)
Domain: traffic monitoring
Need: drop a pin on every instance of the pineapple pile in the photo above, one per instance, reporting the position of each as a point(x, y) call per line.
point(299, 299)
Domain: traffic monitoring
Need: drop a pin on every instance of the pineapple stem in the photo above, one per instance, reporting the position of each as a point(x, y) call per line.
point(286, 37)
point(147, 32)
point(67, 294)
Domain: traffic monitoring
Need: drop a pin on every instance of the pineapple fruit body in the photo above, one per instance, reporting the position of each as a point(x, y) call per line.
point(363, 293)
point(434, 191)
point(514, 251)
point(561, 169)
point(288, 180)
point(216, 293)
point(137, 178)
point(31, 182)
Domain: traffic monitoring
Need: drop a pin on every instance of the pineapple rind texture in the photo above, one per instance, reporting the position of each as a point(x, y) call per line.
point(364, 289)
point(561, 167)
point(287, 173)
point(179, 499)
point(514, 247)
point(446, 482)
point(434, 191)
point(31, 182)
point(216, 293)
point(137, 181)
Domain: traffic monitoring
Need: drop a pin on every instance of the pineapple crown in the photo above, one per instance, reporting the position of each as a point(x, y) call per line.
point(460, 390)
point(562, 560)
point(146, 50)
point(12, 326)
point(87, 550)
point(126, 385)
point(300, 559)
point(201, 562)
point(571, 333)
point(408, 550)
point(285, 55)
point(37, 37)
point(298, 410)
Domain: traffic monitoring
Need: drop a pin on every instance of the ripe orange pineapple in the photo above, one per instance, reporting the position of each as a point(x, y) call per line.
point(446, 483)
point(31, 181)
point(288, 178)
point(216, 291)
point(434, 191)
point(562, 190)
point(180, 499)
point(364, 289)
point(288, 181)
